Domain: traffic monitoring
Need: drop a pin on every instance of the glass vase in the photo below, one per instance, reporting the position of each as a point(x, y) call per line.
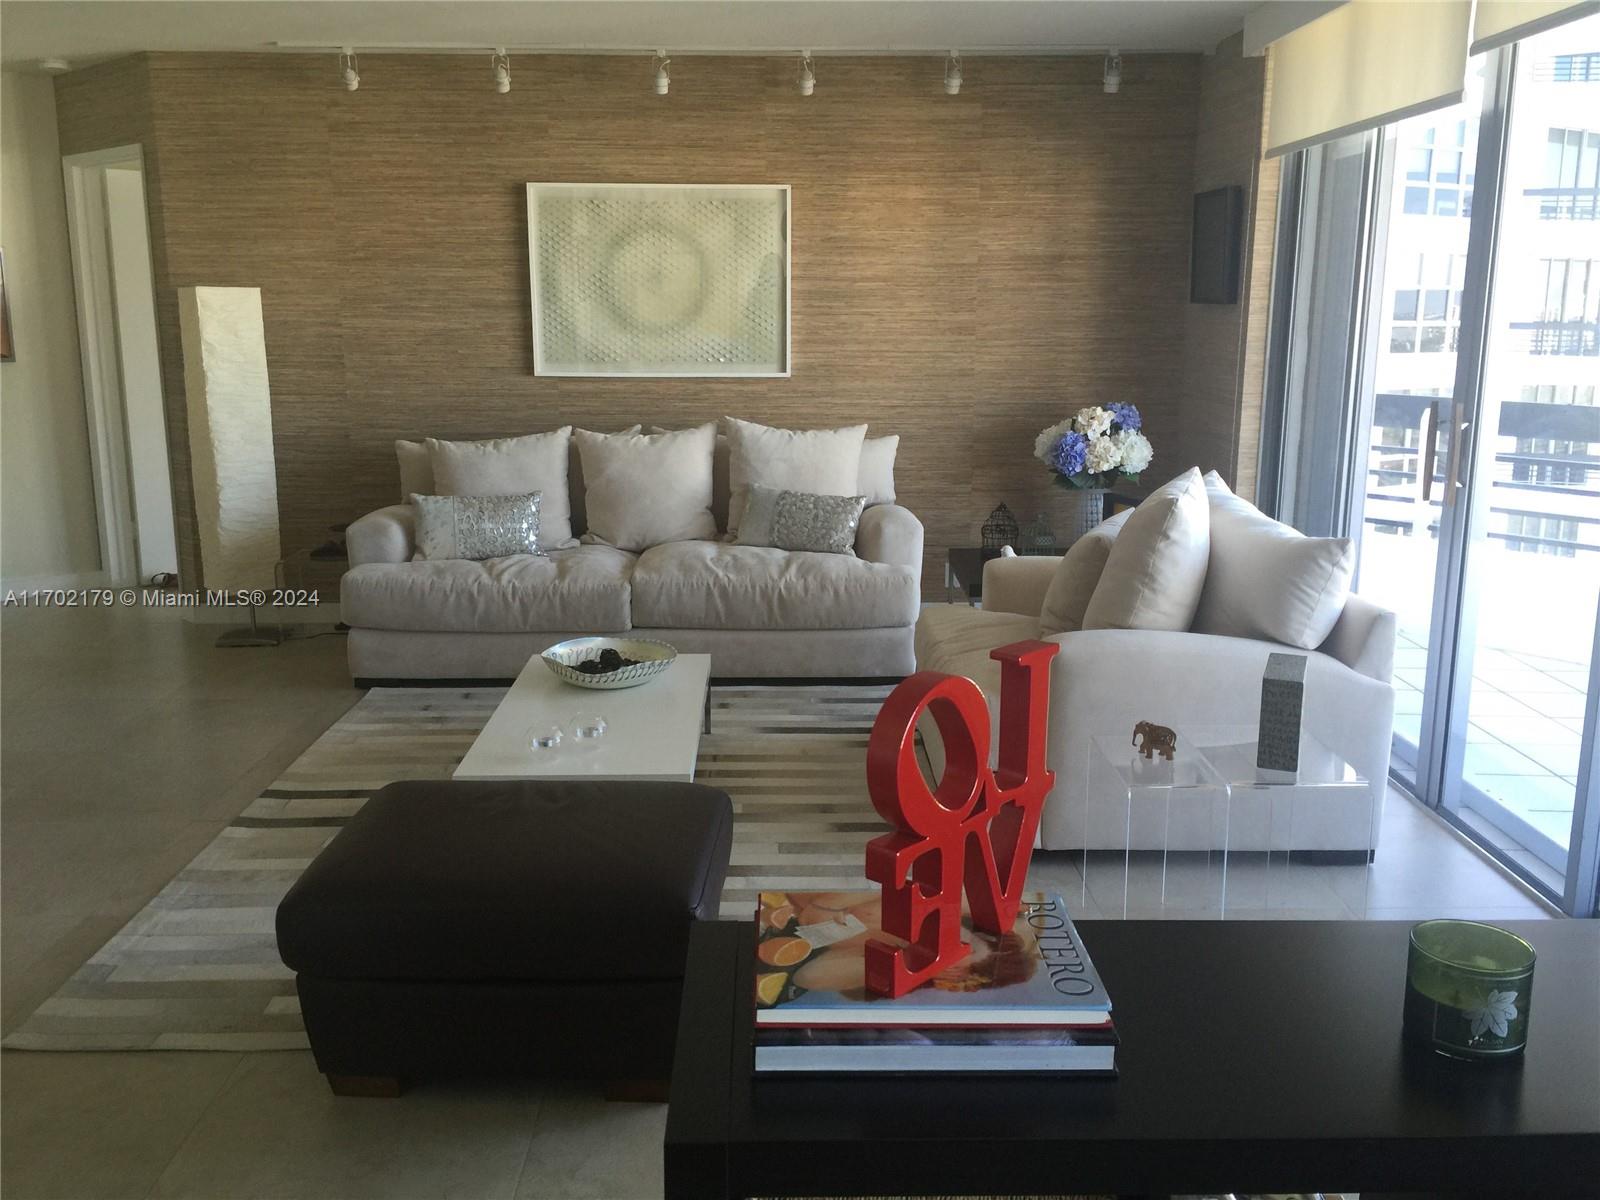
point(1091, 508)
point(1468, 988)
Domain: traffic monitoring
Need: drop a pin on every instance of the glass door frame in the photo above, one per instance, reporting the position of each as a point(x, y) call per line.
point(1439, 776)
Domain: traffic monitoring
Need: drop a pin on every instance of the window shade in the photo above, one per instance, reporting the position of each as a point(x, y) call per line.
point(1366, 64)
point(1501, 22)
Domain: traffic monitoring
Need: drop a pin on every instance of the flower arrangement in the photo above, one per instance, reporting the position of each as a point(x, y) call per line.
point(1096, 447)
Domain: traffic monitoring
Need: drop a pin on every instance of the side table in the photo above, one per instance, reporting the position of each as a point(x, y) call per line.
point(963, 571)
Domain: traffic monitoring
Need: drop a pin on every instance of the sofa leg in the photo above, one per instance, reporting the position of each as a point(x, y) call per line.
point(383, 1087)
point(638, 1091)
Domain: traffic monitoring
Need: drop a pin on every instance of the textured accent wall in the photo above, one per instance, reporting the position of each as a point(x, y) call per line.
point(1225, 344)
point(967, 269)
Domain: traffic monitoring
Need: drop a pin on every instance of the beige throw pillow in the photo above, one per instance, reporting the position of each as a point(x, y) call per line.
point(643, 489)
point(1071, 587)
point(1157, 566)
point(875, 479)
point(512, 467)
point(825, 462)
point(1267, 579)
point(416, 470)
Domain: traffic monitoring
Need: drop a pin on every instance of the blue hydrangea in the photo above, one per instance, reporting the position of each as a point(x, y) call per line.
point(1125, 415)
point(1070, 453)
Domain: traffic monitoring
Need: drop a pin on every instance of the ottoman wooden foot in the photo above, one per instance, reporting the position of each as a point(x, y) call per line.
point(382, 1087)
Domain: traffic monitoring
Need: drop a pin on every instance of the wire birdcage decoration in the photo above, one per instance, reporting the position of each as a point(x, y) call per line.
point(1001, 529)
point(1041, 538)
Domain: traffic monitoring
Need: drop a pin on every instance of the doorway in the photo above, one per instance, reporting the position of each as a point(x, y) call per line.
point(108, 226)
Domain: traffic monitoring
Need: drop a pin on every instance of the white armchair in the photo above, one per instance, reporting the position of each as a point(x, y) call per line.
point(1105, 680)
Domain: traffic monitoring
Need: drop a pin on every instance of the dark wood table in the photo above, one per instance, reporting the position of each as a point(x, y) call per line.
point(1258, 1056)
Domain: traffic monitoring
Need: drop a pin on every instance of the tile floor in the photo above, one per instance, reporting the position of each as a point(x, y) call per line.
point(126, 742)
point(1524, 735)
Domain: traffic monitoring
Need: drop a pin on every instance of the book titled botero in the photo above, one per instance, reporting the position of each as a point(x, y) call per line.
point(810, 969)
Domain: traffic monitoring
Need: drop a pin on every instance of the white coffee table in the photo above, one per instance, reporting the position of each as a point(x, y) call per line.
point(652, 731)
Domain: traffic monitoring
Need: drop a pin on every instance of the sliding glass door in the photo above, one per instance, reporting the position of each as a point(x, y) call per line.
point(1523, 673)
point(1465, 383)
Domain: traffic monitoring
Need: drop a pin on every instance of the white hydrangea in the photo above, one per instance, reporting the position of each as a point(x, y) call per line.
point(1135, 450)
point(1047, 439)
point(1105, 454)
point(1092, 422)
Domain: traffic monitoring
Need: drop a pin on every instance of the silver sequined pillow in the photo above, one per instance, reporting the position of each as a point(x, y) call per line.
point(803, 521)
point(477, 527)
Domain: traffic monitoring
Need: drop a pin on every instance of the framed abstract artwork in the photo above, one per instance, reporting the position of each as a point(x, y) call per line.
point(659, 279)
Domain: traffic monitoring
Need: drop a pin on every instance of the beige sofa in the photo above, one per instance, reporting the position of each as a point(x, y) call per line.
point(759, 612)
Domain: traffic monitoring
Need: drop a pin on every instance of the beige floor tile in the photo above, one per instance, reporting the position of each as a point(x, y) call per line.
point(586, 1149)
point(86, 1126)
point(277, 1131)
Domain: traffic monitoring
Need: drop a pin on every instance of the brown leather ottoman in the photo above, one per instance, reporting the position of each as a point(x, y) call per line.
point(467, 928)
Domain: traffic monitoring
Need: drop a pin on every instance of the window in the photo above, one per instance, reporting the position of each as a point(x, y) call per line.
point(1569, 68)
point(1438, 169)
point(1559, 393)
point(1534, 534)
point(1569, 320)
point(1570, 186)
point(1425, 312)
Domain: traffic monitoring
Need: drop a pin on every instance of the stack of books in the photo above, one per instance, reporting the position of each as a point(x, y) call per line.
point(1028, 1001)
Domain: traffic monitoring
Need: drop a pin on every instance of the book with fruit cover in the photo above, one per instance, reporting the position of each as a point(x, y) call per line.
point(1082, 1050)
point(811, 969)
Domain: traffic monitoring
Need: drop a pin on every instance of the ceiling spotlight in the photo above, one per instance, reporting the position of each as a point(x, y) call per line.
point(54, 66)
point(1113, 75)
point(349, 69)
point(661, 62)
point(500, 66)
point(808, 77)
point(952, 73)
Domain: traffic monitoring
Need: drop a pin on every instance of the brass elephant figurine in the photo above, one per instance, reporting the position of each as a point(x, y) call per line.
point(1157, 739)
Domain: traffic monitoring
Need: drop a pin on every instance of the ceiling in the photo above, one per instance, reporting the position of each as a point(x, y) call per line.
point(84, 31)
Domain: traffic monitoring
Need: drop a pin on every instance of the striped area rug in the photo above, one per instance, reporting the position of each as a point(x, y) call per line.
point(198, 967)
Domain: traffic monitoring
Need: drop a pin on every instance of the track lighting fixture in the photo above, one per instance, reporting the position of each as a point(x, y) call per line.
point(952, 73)
point(500, 67)
point(349, 69)
point(663, 78)
point(1113, 74)
point(808, 77)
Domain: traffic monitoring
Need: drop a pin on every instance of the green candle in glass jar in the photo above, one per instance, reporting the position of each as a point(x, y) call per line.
point(1468, 989)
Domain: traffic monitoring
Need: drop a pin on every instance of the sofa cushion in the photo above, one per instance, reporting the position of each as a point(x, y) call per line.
point(643, 489)
point(826, 462)
point(416, 469)
point(582, 588)
point(512, 467)
point(1073, 584)
point(1267, 579)
point(948, 634)
point(439, 879)
point(715, 585)
point(1157, 565)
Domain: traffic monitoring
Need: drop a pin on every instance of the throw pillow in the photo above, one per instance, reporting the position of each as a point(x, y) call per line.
point(511, 467)
point(477, 527)
point(643, 489)
point(575, 488)
point(819, 461)
point(875, 480)
point(760, 509)
point(1157, 566)
point(416, 471)
point(825, 524)
point(1267, 579)
point(1074, 581)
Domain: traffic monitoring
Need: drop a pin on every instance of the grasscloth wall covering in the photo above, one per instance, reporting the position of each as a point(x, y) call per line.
point(1225, 352)
point(967, 269)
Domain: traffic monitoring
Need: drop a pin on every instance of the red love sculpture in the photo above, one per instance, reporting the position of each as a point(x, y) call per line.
point(975, 832)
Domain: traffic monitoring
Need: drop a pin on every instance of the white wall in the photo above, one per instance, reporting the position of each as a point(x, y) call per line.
point(140, 355)
point(47, 513)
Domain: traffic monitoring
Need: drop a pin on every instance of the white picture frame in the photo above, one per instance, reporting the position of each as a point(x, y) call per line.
point(660, 280)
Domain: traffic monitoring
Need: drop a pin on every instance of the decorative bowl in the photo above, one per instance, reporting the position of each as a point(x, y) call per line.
point(653, 658)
